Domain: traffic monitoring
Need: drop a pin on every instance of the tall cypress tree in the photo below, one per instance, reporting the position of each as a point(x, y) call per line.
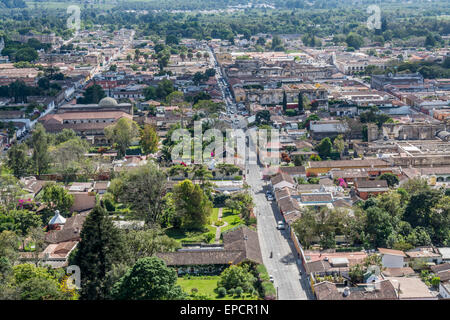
point(284, 102)
point(101, 246)
point(301, 107)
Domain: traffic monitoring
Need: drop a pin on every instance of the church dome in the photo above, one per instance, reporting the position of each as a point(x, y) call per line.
point(107, 102)
point(57, 219)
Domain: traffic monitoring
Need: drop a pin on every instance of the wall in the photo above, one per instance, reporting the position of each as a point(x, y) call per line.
point(391, 261)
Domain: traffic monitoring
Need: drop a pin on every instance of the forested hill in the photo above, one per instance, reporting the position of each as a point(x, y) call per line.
point(12, 4)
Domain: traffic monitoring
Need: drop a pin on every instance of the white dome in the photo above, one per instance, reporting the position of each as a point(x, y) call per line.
point(107, 102)
point(57, 219)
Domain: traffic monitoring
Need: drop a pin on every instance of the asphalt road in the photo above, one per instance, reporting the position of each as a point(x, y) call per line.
point(284, 265)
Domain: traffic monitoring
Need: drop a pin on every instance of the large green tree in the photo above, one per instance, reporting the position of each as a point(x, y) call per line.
point(149, 139)
point(101, 246)
point(192, 205)
point(143, 190)
point(39, 142)
point(56, 197)
point(18, 160)
point(149, 279)
point(122, 134)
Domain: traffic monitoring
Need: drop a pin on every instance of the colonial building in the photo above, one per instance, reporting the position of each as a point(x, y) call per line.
point(87, 124)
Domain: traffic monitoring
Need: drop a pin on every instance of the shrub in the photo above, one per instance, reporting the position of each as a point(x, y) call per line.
point(238, 178)
point(435, 282)
point(194, 290)
point(219, 200)
point(209, 237)
point(109, 205)
point(231, 291)
point(219, 223)
point(269, 291)
point(222, 292)
point(239, 291)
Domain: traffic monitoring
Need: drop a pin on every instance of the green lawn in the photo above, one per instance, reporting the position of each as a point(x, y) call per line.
point(189, 236)
point(231, 218)
point(215, 215)
point(206, 286)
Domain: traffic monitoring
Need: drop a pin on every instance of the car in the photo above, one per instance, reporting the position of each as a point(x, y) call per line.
point(271, 278)
point(270, 197)
point(280, 225)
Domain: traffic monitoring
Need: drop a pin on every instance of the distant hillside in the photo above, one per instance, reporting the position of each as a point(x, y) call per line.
point(12, 4)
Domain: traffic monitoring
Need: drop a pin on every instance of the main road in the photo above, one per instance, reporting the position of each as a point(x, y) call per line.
point(290, 279)
point(284, 265)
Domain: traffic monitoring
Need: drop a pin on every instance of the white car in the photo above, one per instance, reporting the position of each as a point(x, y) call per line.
point(271, 279)
point(280, 225)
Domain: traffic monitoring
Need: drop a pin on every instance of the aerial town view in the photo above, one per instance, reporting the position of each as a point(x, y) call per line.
point(239, 151)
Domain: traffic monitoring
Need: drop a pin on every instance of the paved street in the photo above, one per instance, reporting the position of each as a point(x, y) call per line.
point(283, 265)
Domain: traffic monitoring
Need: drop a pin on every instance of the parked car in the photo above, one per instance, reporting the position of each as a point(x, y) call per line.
point(271, 278)
point(280, 225)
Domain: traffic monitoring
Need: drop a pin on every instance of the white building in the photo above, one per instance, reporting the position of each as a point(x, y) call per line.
point(392, 258)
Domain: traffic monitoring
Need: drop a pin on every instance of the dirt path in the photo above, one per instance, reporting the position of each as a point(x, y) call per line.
point(218, 229)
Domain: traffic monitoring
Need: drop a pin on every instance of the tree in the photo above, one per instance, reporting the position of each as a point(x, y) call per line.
point(122, 133)
point(284, 102)
point(93, 94)
point(24, 221)
point(67, 155)
point(339, 144)
point(419, 209)
point(390, 178)
point(262, 117)
point(324, 148)
point(356, 273)
point(354, 40)
point(36, 283)
point(39, 143)
point(148, 279)
point(298, 160)
point(301, 107)
point(143, 189)
point(202, 173)
point(101, 246)
point(145, 243)
point(174, 98)
point(379, 226)
point(57, 197)
point(64, 135)
point(192, 205)
point(305, 227)
point(26, 54)
point(18, 160)
point(277, 44)
point(149, 139)
point(237, 276)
